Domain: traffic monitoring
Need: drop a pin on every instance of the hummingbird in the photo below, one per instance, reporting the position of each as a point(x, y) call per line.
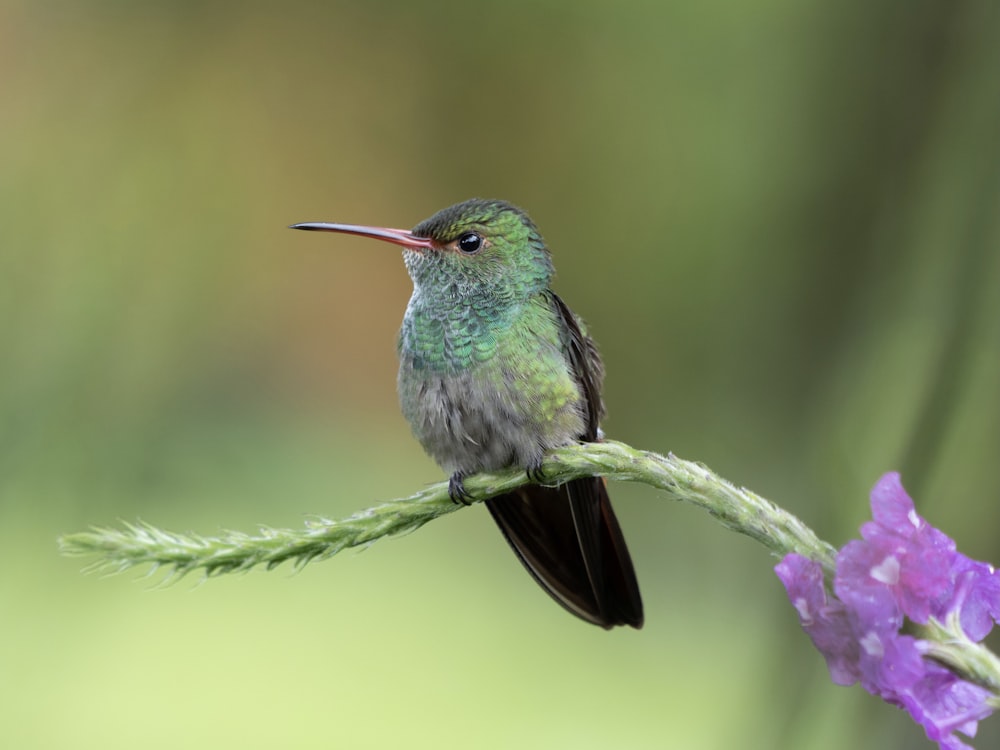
point(495, 370)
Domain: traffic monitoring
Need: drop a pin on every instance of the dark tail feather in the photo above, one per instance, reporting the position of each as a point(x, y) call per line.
point(569, 540)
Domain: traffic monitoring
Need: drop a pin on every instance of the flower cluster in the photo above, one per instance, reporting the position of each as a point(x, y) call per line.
point(901, 568)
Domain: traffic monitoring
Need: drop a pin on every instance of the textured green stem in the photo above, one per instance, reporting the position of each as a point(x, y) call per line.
point(738, 509)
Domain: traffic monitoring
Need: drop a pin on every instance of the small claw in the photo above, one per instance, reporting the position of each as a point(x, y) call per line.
point(535, 472)
point(456, 489)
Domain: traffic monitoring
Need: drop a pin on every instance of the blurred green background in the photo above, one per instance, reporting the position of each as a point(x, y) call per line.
point(780, 220)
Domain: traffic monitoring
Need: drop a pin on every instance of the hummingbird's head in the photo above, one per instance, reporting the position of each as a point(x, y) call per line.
point(480, 248)
point(483, 249)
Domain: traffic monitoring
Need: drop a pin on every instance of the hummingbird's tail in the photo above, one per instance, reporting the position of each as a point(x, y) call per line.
point(569, 540)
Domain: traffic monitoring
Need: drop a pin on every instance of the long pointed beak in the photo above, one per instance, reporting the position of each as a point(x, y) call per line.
point(396, 236)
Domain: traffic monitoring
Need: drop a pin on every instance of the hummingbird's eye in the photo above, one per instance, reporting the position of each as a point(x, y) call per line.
point(470, 242)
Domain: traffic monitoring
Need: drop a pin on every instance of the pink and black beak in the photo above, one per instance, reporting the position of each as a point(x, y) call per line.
point(396, 236)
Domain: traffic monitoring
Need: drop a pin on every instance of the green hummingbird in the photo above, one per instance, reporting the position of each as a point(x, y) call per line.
point(495, 370)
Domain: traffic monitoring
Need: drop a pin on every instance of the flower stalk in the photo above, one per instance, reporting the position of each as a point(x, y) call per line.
point(947, 643)
point(853, 603)
point(138, 544)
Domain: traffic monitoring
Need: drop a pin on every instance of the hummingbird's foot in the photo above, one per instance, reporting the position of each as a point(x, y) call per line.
point(456, 489)
point(535, 472)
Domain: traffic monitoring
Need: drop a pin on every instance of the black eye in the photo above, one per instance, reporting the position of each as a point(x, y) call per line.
point(470, 242)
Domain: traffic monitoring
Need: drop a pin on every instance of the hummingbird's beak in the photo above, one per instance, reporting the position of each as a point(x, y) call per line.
point(396, 236)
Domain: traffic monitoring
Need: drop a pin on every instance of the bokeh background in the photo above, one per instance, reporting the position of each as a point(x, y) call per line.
point(780, 220)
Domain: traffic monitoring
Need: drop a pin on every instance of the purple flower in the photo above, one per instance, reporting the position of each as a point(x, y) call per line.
point(901, 568)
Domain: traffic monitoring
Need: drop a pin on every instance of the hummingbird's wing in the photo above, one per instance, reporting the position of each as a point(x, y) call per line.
point(584, 362)
point(567, 536)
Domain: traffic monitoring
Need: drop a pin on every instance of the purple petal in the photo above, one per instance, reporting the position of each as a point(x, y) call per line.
point(977, 597)
point(824, 620)
point(890, 665)
point(892, 508)
point(906, 553)
point(863, 570)
point(944, 704)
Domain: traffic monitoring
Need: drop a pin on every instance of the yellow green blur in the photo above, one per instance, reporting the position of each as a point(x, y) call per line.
point(778, 220)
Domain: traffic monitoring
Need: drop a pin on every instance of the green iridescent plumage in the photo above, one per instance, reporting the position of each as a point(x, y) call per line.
point(463, 302)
